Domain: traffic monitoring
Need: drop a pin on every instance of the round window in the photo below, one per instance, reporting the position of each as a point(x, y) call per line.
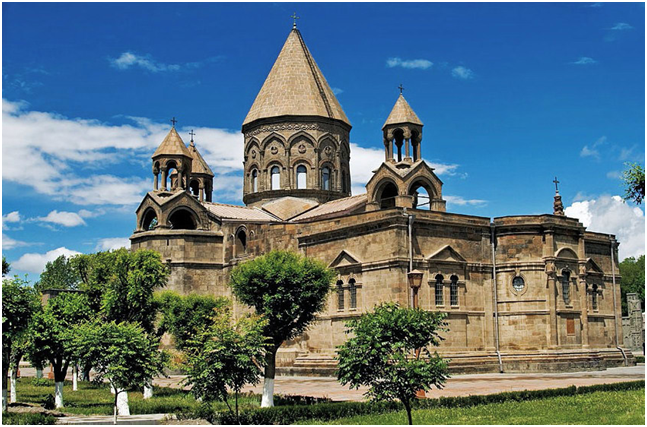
point(518, 284)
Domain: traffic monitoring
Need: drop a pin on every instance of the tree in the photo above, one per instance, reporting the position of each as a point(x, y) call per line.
point(389, 353)
point(632, 271)
point(228, 355)
point(58, 274)
point(19, 303)
point(634, 179)
point(6, 267)
point(121, 353)
point(287, 290)
point(52, 335)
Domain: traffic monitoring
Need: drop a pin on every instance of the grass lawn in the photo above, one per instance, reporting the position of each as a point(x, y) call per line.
point(91, 399)
point(604, 407)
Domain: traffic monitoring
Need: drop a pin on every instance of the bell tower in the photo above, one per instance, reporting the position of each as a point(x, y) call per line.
point(173, 160)
point(402, 130)
point(296, 133)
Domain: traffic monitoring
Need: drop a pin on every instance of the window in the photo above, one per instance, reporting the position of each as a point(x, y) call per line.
point(241, 243)
point(594, 297)
point(344, 186)
point(566, 289)
point(301, 177)
point(453, 291)
point(353, 293)
point(276, 177)
point(325, 179)
point(150, 220)
point(182, 219)
point(340, 295)
point(518, 284)
point(439, 290)
point(254, 181)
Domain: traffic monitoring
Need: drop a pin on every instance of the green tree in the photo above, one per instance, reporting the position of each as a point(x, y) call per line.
point(52, 335)
point(288, 290)
point(6, 267)
point(389, 353)
point(185, 317)
point(58, 274)
point(19, 303)
point(227, 356)
point(634, 179)
point(632, 271)
point(121, 353)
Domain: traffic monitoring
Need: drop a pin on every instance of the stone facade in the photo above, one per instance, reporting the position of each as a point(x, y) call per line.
point(521, 293)
point(633, 325)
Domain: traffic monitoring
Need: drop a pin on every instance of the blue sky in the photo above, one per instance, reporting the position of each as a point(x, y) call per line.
point(511, 95)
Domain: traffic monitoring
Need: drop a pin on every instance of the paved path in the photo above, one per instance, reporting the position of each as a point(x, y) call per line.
point(146, 419)
point(458, 385)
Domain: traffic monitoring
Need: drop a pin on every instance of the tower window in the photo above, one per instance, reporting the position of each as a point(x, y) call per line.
point(325, 179)
point(453, 291)
point(566, 289)
point(438, 288)
point(275, 172)
point(195, 188)
point(254, 181)
point(594, 297)
point(344, 184)
point(241, 243)
point(518, 284)
point(340, 295)
point(302, 175)
point(353, 293)
point(182, 219)
point(150, 220)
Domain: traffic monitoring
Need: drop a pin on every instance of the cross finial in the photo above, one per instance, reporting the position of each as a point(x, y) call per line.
point(556, 182)
point(401, 88)
point(294, 17)
point(192, 134)
point(173, 121)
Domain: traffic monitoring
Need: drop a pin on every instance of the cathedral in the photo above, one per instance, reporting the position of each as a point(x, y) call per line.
point(521, 293)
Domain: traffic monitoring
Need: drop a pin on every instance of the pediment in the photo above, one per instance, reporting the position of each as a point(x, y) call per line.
point(447, 254)
point(592, 267)
point(344, 259)
point(567, 253)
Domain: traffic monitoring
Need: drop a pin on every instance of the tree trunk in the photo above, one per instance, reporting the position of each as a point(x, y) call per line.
point(115, 406)
point(75, 377)
point(5, 374)
point(58, 394)
point(122, 402)
point(268, 385)
point(148, 390)
point(39, 373)
point(407, 406)
point(14, 375)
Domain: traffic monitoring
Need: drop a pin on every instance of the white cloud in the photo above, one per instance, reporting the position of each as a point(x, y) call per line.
point(112, 243)
point(614, 174)
point(129, 60)
point(592, 151)
point(66, 219)
point(35, 262)
point(10, 218)
point(460, 201)
point(461, 72)
point(609, 214)
point(585, 60)
point(620, 26)
point(54, 151)
point(9, 243)
point(337, 91)
point(422, 64)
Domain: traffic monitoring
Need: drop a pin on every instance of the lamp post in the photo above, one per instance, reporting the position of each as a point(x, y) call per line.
point(414, 277)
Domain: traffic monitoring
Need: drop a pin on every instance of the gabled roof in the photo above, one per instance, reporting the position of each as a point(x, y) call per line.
point(447, 254)
point(334, 208)
point(402, 113)
point(172, 146)
point(198, 165)
point(288, 207)
point(239, 212)
point(344, 259)
point(295, 86)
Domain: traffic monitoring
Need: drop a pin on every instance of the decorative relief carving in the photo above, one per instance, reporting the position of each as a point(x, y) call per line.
point(328, 151)
point(274, 150)
point(253, 154)
point(302, 148)
point(295, 127)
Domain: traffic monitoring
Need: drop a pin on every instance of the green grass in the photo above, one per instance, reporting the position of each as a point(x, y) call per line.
point(91, 399)
point(27, 418)
point(604, 407)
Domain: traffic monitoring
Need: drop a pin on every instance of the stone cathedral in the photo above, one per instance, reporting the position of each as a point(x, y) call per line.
point(531, 292)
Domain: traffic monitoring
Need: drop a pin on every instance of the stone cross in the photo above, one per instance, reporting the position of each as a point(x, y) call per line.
point(192, 134)
point(294, 17)
point(556, 182)
point(401, 88)
point(173, 121)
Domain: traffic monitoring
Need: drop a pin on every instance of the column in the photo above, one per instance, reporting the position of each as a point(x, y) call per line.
point(164, 172)
point(201, 192)
point(156, 180)
point(584, 306)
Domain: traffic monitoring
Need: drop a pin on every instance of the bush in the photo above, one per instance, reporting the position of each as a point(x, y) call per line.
point(640, 359)
point(331, 411)
point(42, 382)
point(27, 418)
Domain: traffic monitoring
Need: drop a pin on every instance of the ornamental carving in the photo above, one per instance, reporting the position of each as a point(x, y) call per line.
point(296, 127)
point(328, 151)
point(274, 150)
point(253, 154)
point(302, 148)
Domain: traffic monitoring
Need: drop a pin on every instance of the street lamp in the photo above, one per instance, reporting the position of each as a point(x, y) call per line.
point(415, 281)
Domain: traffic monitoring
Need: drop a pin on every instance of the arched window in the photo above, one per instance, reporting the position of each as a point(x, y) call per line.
point(353, 293)
point(150, 220)
point(594, 297)
point(453, 290)
point(241, 243)
point(254, 181)
point(388, 195)
point(182, 219)
point(340, 295)
point(566, 289)
point(344, 183)
point(275, 172)
point(302, 175)
point(195, 188)
point(325, 179)
point(438, 288)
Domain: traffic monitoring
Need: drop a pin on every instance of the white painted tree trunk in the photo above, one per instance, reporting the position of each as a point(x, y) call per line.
point(148, 391)
point(39, 373)
point(58, 394)
point(4, 399)
point(122, 403)
point(268, 393)
point(13, 374)
point(112, 389)
point(75, 378)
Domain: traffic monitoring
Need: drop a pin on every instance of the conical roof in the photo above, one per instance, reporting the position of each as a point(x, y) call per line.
point(198, 165)
point(295, 87)
point(172, 146)
point(402, 113)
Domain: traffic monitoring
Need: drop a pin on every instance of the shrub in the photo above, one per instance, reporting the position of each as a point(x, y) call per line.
point(640, 359)
point(27, 418)
point(41, 382)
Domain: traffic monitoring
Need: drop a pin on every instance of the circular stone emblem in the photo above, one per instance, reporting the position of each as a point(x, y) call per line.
point(274, 150)
point(302, 148)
